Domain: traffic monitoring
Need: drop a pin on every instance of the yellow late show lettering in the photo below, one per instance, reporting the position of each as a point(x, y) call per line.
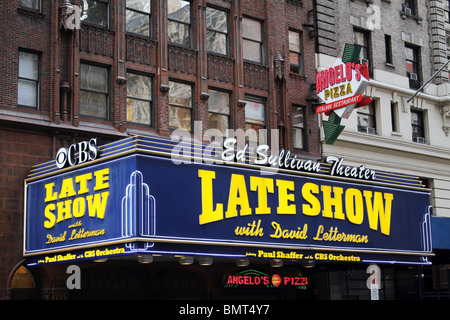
point(284, 197)
point(263, 186)
point(97, 204)
point(238, 197)
point(64, 210)
point(329, 202)
point(67, 189)
point(209, 214)
point(82, 181)
point(49, 194)
point(101, 179)
point(78, 207)
point(379, 209)
point(50, 216)
point(354, 206)
point(313, 206)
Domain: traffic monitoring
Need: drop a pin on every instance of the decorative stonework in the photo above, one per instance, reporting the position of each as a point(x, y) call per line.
point(141, 50)
point(182, 60)
point(445, 110)
point(220, 68)
point(96, 40)
point(255, 76)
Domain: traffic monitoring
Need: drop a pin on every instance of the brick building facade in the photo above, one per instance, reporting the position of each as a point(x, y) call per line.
point(144, 67)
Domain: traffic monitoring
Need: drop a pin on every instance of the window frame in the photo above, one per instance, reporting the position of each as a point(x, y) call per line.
point(228, 115)
point(371, 114)
point(107, 93)
point(257, 100)
point(227, 33)
point(191, 108)
point(415, 62)
point(300, 66)
point(38, 81)
point(108, 15)
point(150, 20)
point(422, 125)
point(39, 3)
point(411, 4)
point(367, 45)
point(260, 43)
point(302, 128)
point(150, 101)
point(394, 117)
point(190, 25)
point(388, 49)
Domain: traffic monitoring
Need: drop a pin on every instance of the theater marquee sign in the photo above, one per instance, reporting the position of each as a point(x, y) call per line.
point(135, 199)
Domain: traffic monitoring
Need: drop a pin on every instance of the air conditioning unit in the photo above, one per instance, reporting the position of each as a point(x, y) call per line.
point(413, 76)
point(370, 130)
point(362, 61)
point(407, 10)
point(421, 140)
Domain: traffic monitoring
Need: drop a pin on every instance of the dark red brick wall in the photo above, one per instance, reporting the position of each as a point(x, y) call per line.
point(19, 152)
point(24, 30)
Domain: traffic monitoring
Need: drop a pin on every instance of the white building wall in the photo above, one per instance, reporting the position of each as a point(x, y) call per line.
point(390, 150)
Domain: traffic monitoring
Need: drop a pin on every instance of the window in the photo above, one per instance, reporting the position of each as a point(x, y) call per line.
point(295, 52)
point(252, 40)
point(254, 114)
point(298, 126)
point(409, 7)
point(388, 48)
point(28, 81)
point(139, 17)
point(417, 124)
point(412, 66)
point(180, 106)
point(179, 22)
point(94, 11)
point(94, 91)
point(31, 4)
point(219, 110)
point(394, 117)
point(362, 38)
point(139, 99)
point(366, 119)
point(216, 31)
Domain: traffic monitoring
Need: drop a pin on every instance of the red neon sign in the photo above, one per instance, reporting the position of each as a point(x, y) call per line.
point(253, 278)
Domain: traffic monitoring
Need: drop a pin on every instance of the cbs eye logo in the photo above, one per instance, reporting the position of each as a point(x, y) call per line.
point(77, 153)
